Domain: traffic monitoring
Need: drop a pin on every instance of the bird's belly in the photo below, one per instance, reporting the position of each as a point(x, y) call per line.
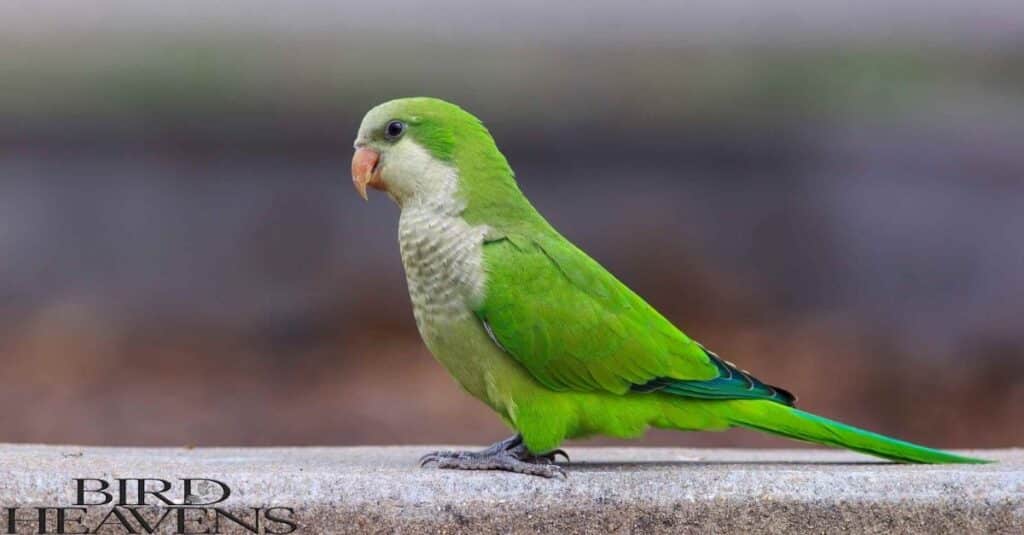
point(462, 346)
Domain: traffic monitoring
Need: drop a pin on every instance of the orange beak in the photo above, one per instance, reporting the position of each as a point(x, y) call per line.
point(365, 172)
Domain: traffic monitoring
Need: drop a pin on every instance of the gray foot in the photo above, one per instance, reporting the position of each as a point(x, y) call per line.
point(509, 455)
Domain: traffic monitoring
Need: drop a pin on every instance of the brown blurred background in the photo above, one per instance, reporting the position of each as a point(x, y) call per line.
point(831, 196)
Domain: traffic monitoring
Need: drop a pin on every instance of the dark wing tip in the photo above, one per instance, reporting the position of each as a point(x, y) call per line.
point(731, 383)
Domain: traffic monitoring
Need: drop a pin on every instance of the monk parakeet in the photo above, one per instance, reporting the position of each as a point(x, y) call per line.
point(537, 330)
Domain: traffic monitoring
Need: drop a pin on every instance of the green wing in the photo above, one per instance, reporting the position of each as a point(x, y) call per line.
point(574, 326)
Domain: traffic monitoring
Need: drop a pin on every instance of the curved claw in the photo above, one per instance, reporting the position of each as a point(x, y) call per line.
point(549, 471)
point(554, 454)
point(550, 457)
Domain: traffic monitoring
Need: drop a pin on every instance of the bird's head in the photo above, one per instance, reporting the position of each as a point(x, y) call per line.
point(427, 150)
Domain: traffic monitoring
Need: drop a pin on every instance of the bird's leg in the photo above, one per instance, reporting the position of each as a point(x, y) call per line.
point(510, 455)
point(493, 449)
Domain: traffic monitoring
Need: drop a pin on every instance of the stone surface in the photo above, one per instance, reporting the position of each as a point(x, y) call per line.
point(367, 489)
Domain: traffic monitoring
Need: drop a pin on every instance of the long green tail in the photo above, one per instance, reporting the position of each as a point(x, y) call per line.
point(780, 419)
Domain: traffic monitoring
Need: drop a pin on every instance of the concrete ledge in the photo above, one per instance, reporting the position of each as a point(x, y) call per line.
point(365, 489)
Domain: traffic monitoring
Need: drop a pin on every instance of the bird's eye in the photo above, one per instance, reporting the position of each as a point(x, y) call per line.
point(394, 130)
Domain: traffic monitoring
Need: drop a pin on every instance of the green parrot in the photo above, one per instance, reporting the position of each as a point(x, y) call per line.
point(537, 330)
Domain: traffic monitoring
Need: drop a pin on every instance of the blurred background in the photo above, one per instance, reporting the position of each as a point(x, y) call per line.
point(831, 196)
